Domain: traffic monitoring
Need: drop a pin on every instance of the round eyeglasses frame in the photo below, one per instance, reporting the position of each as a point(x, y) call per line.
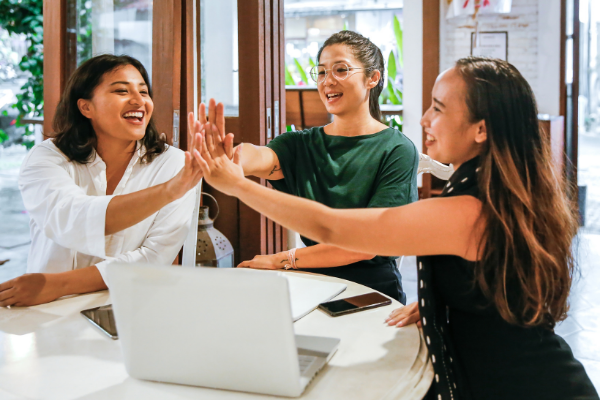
point(314, 72)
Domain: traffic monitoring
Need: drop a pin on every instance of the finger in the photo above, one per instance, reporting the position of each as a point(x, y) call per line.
point(202, 162)
point(7, 285)
point(220, 120)
point(244, 264)
point(190, 131)
point(237, 156)
point(7, 294)
point(209, 138)
point(202, 113)
point(228, 145)
point(8, 302)
point(212, 111)
point(411, 319)
point(218, 143)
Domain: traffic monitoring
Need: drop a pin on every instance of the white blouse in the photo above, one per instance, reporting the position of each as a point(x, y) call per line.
point(67, 204)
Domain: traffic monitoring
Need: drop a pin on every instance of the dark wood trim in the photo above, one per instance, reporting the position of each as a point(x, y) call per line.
point(563, 60)
point(166, 63)
point(573, 141)
point(251, 32)
point(431, 67)
point(55, 28)
point(187, 69)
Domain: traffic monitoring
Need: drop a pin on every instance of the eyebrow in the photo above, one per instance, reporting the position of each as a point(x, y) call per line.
point(127, 83)
point(439, 102)
point(337, 62)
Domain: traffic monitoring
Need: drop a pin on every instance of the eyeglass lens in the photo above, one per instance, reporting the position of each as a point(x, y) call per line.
point(339, 71)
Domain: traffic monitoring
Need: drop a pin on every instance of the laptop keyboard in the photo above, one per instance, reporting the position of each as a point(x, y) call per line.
point(305, 362)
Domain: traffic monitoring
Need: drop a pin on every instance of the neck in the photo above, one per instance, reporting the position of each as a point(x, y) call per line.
point(115, 152)
point(356, 123)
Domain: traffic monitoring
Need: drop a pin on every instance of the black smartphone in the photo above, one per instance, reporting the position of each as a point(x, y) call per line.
point(102, 317)
point(355, 304)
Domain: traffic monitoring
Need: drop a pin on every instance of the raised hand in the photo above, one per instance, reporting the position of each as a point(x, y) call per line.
point(216, 116)
point(219, 170)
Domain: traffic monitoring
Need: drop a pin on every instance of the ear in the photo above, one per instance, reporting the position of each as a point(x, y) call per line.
point(85, 108)
point(481, 135)
point(374, 79)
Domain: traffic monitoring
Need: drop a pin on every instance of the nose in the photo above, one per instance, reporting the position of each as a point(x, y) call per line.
point(425, 119)
point(329, 79)
point(136, 98)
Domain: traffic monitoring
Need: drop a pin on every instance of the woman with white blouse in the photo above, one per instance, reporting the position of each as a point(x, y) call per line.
point(106, 188)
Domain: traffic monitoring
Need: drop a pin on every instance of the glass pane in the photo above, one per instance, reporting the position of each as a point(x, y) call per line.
point(109, 26)
point(219, 53)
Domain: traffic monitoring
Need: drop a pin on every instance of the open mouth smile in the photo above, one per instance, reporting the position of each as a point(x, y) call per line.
point(135, 117)
point(333, 96)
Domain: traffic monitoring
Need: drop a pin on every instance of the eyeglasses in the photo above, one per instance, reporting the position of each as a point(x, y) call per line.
point(340, 71)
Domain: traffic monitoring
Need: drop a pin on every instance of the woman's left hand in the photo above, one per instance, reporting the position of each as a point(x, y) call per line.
point(273, 261)
point(219, 171)
point(29, 290)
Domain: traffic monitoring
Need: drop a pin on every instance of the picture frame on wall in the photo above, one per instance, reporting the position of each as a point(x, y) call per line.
point(490, 44)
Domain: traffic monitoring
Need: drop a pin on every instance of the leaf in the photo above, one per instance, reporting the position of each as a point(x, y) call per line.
point(392, 66)
point(399, 34)
point(3, 136)
point(289, 80)
point(345, 28)
point(301, 71)
point(392, 93)
point(311, 62)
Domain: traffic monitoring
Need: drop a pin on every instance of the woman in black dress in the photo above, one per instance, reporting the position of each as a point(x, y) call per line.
point(495, 261)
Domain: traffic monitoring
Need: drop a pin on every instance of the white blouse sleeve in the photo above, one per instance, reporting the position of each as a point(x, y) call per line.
point(62, 210)
point(165, 237)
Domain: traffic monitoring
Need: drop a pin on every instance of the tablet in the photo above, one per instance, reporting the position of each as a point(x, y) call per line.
point(102, 317)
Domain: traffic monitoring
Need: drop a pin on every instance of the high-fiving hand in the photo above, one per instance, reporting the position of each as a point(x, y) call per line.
point(213, 150)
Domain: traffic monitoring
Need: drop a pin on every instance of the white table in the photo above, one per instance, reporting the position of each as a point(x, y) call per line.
point(51, 352)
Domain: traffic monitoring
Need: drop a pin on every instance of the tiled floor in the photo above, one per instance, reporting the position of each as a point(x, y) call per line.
point(581, 329)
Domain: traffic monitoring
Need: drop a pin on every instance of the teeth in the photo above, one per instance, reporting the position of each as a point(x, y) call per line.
point(332, 95)
point(135, 114)
point(430, 138)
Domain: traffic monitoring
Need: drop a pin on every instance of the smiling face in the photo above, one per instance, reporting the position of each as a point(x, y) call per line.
point(120, 107)
point(451, 136)
point(347, 96)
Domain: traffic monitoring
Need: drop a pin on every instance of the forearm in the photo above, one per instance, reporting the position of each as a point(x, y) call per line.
point(127, 210)
point(83, 280)
point(326, 256)
point(259, 161)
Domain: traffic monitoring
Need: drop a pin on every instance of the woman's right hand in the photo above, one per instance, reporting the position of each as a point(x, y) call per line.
point(405, 316)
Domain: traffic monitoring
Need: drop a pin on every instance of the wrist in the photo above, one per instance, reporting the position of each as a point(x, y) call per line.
point(57, 284)
point(168, 191)
point(241, 186)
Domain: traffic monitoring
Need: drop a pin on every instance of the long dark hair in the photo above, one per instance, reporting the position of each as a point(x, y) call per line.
point(368, 55)
point(73, 133)
point(527, 262)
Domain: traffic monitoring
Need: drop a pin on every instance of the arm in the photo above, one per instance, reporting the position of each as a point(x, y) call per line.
point(317, 256)
point(33, 289)
point(429, 227)
point(161, 245)
point(260, 161)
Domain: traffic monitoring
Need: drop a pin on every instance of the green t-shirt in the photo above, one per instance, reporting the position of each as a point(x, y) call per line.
point(378, 170)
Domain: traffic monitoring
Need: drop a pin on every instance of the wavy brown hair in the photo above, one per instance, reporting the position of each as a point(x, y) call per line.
point(73, 133)
point(527, 260)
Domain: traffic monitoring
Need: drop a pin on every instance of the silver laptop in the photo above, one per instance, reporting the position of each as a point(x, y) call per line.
point(219, 328)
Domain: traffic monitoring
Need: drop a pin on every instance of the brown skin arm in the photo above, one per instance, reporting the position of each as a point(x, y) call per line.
point(318, 256)
point(39, 288)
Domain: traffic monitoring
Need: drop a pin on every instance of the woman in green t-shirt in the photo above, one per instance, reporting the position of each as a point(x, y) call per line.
point(354, 162)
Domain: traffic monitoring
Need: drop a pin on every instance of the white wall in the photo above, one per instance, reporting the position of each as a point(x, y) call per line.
point(413, 71)
point(533, 28)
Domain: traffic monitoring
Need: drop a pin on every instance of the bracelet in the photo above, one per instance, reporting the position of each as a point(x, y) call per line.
point(291, 260)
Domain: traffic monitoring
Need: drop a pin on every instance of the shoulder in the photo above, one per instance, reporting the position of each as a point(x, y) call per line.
point(168, 162)
point(45, 153)
point(399, 147)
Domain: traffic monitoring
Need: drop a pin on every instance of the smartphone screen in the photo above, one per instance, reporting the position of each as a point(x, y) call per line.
point(103, 318)
point(354, 304)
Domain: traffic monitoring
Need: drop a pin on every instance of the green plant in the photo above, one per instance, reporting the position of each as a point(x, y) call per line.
point(3, 136)
point(25, 17)
point(301, 71)
point(393, 92)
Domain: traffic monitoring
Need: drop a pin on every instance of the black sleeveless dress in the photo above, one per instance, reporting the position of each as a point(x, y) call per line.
point(475, 353)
